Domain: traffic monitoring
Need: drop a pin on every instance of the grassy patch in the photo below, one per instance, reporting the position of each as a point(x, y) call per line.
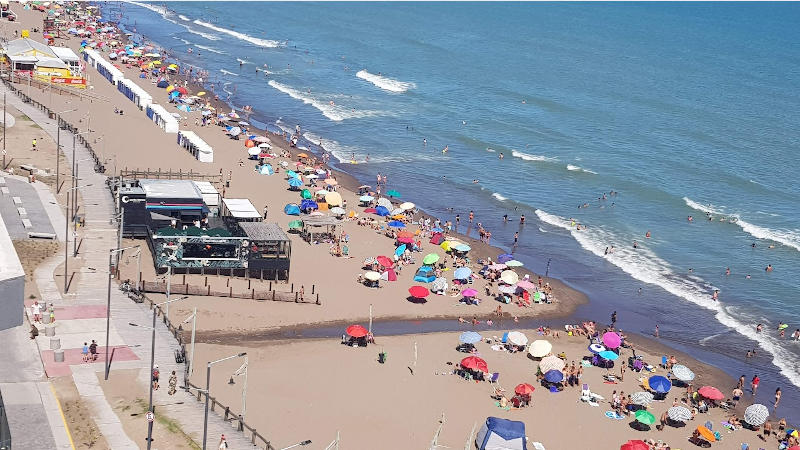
point(169, 424)
point(35, 125)
point(24, 117)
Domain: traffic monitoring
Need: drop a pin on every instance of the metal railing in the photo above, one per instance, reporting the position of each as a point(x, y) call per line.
point(256, 438)
point(269, 294)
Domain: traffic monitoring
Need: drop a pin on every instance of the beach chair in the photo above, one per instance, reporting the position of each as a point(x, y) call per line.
point(664, 362)
point(585, 392)
point(494, 377)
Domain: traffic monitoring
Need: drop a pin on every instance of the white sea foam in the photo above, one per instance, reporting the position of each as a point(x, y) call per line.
point(385, 83)
point(210, 49)
point(244, 37)
point(184, 18)
point(574, 168)
point(210, 37)
point(243, 61)
point(228, 72)
point(155, 8)
point(490, 150)
point(499, 197)
point(644, 265)
point(182, 40)
point(331, 111)
point(529, 157)
point(789, 238)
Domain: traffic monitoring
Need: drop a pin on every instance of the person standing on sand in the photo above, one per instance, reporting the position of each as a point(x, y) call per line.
point(656, 332)
point(302, 293)
point(265, 212)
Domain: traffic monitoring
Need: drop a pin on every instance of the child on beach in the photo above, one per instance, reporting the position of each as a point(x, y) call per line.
point(85, 352)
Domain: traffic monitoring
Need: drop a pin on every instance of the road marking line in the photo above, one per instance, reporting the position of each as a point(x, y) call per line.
point(63, 419)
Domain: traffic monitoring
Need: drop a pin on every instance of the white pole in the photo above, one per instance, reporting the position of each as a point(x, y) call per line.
point(415, 353)
point(370, 318)
point(138, 268)
point(169, 280)
point(244, 390)
point(194, 327)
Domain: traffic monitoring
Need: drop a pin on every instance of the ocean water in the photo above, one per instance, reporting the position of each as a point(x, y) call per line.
point(681, 109)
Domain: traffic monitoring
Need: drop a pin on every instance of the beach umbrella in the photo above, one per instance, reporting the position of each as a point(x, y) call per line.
point(307, 204)
point(396, 224)
point(386, 203)
point(384, 261)
point(419, 291)
point(462, 248)
point(356, 331)
point(381, 211)
point(609, 355)
point(182, 90)
point(407, 206)
point(366, 198)
point(756, 414)
point(292, 174)
point(295, 224)
point(321, 192)
point(469, 292)
point(659, 384)
point(596, 348)
point(400, 250)
point(504, 258)
point(393, 193)
point(641, 398)
point(398, 213)
point(299, 155)
point(551, 362)
point(525, 284)
point(514, 263)
point(253, 151)
point(337, 211)
point(291, 209)
point(475, 363)
point(462, 273)
point(710, 393)
point(249, 144)
point(439, 284)
point(445, 246)
point(517, 338)
point(507, 289)
point(406, 240)
point(372, 276)
point(305, 194)
point(430, 258)
point(553, 376)
point(646, 417)
point(679, 413)
point(635, 445)
point(244, 124)
point(405, 234)
point(469, 337)
point(333, 198)
point(496, 266)
point(524, 389)
point(682, 373)
point(540, 348)
point(611, 340)
point(706, 433)
point(509, 277)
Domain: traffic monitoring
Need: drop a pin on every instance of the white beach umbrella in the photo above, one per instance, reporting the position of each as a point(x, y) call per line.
point(679, 413)
point(551, 362)
point(372, 276)
point(337, 211)
point(509, 277)
point(253, 151)
point(517, 338)
point(641, 398)
point(397, 211)
point(507, 289)
point(439, 284)
point(406, 206)
point(682, 372)
point(385, 203)
point(540, 348)
point(756, 414)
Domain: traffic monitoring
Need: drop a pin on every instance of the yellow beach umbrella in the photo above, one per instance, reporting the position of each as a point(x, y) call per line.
point(156, 63)
point(173, 66)
point(170, 88)
point(333, 198)
point(445, 246)
point(201, 93)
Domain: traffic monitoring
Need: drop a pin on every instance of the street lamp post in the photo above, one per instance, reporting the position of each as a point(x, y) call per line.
point(58, 144)
point(66, 231)
point(74, 165)
point(111, 253)
point(152, 363)
point(208, 392)
point(193, 318)
point(75, 213)
point(242, 371)
point(304, 443)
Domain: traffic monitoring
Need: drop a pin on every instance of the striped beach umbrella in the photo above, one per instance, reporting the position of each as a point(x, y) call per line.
point(679, 413)
point(756, 414)
point(682, 373)
point(642, 398)
point(551, 362)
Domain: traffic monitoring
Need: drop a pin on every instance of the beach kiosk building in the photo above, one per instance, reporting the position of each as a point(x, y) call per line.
point(162, 118)
point(196, 146)
point(70, 59)
point(240, 210)
point(152, 204)
point(136, 94)
point(24, 53)
point(269, 250)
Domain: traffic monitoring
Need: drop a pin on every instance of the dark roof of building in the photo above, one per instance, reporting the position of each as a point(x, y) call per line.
point(259, 231)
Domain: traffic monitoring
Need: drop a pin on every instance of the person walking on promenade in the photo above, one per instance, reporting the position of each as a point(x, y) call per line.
point(173, 383)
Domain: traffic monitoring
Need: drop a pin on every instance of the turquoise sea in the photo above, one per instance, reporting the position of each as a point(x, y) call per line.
point(680, 109)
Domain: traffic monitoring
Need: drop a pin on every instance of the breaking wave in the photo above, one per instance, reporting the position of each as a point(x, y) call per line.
point(244, 37)
point(385, 83)
point(573, 168)
point(529, 157)
point(328, 109)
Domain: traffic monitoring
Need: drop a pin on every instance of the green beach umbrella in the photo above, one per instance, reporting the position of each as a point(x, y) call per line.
point(514, 263)
point(393, 193)
point(295, 224)
point(430, 258)
point(305, 193)
point(646, 417)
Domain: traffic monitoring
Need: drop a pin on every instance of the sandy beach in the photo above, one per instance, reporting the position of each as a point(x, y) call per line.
point(315, 388)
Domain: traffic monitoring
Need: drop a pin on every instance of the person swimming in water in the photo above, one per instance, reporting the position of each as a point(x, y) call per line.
point(646, 235)
point(500, 156)
point(759, 328)
point(446, 149)
point(768, 268)
point(715, 296)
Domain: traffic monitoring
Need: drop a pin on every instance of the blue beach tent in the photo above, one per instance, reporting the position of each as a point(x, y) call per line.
point(425, 274)
point(291, 209)
point(382, 211)
point(501, 434)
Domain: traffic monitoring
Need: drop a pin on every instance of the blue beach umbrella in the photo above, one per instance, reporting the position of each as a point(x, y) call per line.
point(553, 376)
point(659, 384)
point(462, 273)
point(609, 355)
point(463, 248)
point(291, 209)
point(469, 337)
point(504, 258)
point(382, 211)
point(437, 230)
point(596, 348)
point(292, 174)
point(400, 250)
point(295, 182)
point(396, 224)
point(366, 198)
point(307, 204)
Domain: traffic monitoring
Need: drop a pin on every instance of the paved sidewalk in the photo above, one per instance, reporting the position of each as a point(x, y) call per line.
point(90, 295)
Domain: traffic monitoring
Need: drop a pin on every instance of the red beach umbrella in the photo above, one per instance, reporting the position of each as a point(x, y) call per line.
point(183, 90)
point(384, 261)
point(249, 143)
point(711, 393)
point(405, 234)
point(419, 291)
point(356, 331)
point(370, 211)
point(405, 240)
point(475, 363)
point(635, 445)
point(524, 389)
